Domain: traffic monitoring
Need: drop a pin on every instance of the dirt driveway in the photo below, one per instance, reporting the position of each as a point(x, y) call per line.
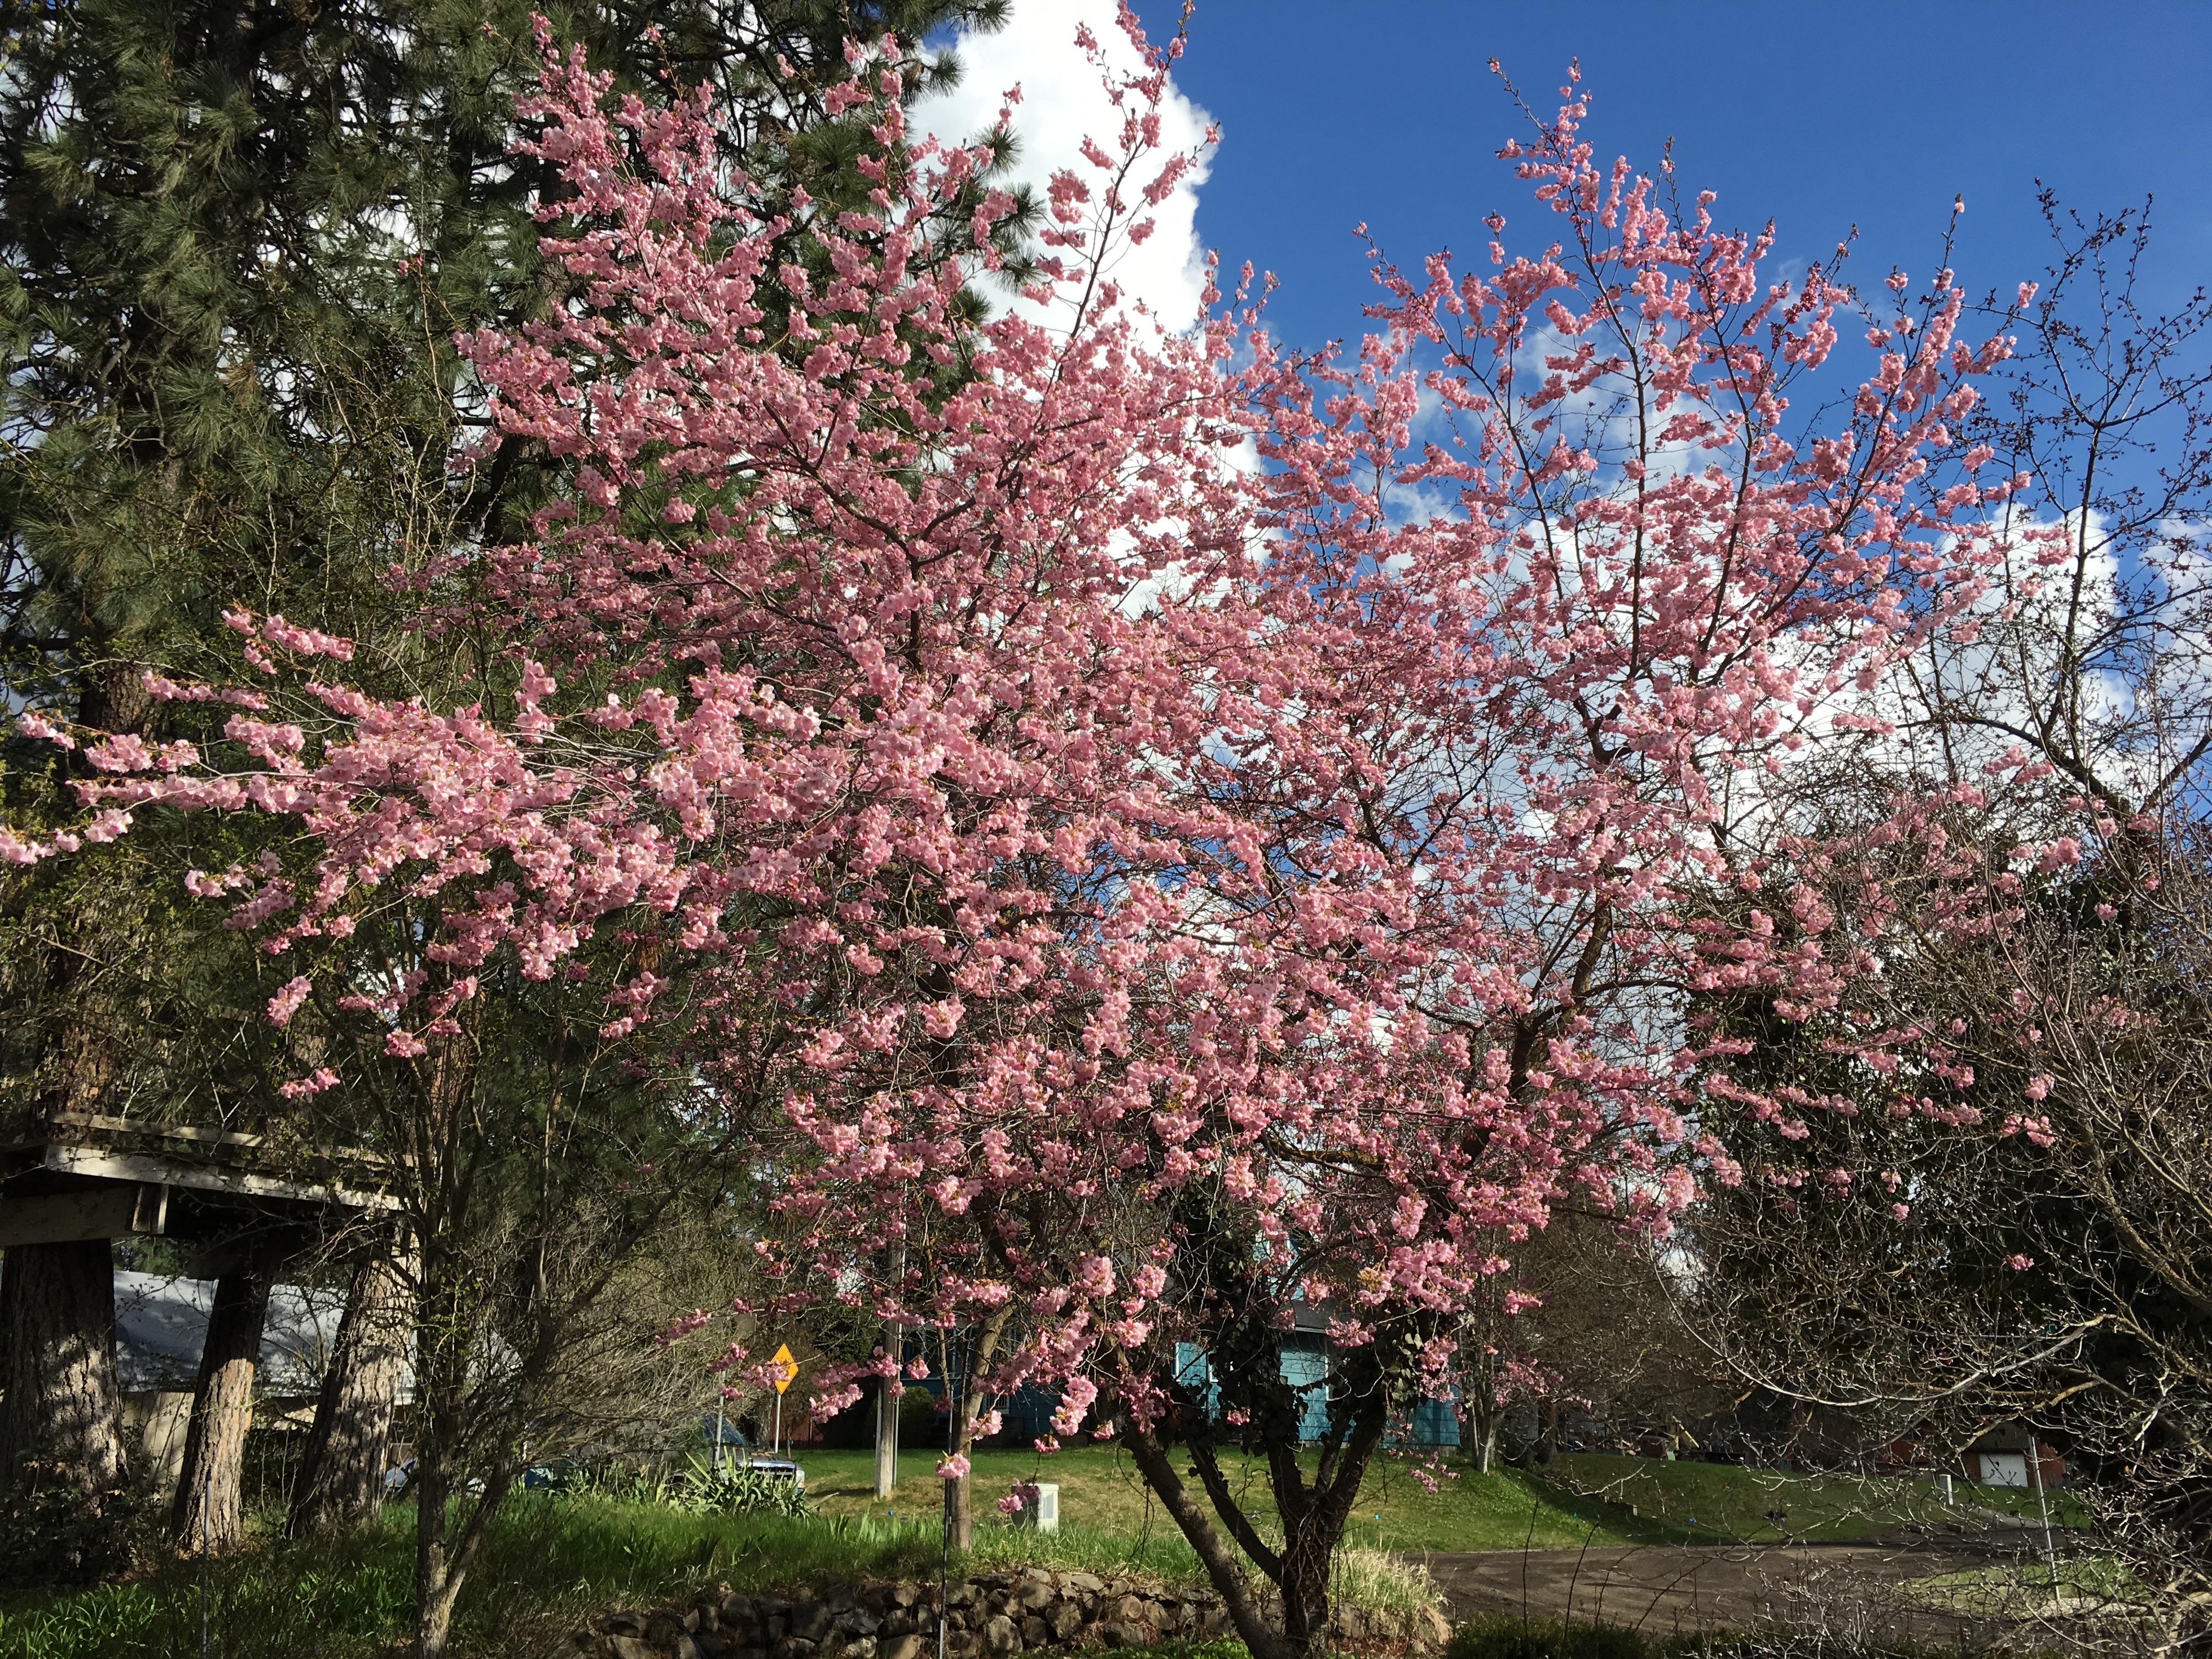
point(1662, 1588)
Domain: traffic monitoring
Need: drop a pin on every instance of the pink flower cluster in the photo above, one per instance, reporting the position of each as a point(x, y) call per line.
point(1057, 816)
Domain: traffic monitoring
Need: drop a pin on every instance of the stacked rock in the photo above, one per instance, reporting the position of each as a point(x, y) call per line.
point(990, 1616)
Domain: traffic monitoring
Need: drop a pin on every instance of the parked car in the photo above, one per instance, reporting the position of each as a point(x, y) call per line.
point(736, 1451)
point(561, 1474)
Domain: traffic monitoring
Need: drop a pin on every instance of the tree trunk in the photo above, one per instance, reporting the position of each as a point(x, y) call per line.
point(443, 1323)
point(1313, 1518)
point(437, 1586)
point(205, 1512)
point(1547, 1430)
point(341, 1479)
point(959, 1501)
point(62, 1404)
point(1155, 1462)
point(441, 1559)
point(1305, 1593)
point(1484, 1414)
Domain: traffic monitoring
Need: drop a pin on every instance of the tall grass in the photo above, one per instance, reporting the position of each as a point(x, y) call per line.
point(549, 1564)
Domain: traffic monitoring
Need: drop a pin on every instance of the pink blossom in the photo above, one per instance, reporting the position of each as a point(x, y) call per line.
point(33, 723)
point(287, 1001)
point(1043, 809)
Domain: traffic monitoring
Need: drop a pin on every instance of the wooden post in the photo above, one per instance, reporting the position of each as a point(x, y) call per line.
point(206, 1507)
point(57, 1346)
point(341, 1478)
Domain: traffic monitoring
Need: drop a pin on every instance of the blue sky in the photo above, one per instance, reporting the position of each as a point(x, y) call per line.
point(1820, 117)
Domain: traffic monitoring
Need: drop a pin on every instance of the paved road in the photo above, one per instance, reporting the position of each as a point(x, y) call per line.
point(1662, 1588)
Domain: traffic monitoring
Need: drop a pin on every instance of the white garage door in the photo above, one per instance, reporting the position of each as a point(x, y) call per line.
point(2004, 1469)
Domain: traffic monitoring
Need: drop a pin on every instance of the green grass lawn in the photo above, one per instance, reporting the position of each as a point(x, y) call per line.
point(1579, 1499)
point(551, 1562)
point(1099, 1487)
point(1719, 1502)
point(2024, 1588)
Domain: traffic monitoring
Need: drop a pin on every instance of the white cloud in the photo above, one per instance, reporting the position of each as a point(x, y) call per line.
point(1063, 102)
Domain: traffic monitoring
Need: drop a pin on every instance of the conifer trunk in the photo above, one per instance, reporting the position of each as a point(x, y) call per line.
point(206, 1512)
point(341, 1479)
point(63, 1403)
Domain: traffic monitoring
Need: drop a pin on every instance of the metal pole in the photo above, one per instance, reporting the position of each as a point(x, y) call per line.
point(952, 1442)
point(718, 1432)
point(775, 1434)
point(2043, 1502)
point(207, 1475)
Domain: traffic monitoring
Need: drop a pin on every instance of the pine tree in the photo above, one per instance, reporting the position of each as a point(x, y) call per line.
point(239, 240)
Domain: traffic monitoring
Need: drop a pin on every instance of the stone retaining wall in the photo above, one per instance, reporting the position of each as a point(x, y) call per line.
point(990, 1616)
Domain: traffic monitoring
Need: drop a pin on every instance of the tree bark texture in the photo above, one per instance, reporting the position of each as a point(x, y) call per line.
point(442, 1555)
point(967, 1403)
point(1155, 1461)
point(341, 1479)
point(64, 1405)
point(205, 1512)
point(1312, 1514)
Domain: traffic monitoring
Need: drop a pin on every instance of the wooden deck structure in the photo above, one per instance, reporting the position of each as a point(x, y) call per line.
point(242, 1204)
point(81, 1177)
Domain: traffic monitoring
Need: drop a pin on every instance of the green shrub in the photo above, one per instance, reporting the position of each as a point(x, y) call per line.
point(1222, 1647)
point(731, 1489)
point(55, 1532)
point(1511, 1636)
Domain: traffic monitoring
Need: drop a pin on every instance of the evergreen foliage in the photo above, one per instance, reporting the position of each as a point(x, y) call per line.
point(239, 241)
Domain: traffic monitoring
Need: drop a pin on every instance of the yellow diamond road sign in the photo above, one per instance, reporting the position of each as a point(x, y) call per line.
point(785, 1366)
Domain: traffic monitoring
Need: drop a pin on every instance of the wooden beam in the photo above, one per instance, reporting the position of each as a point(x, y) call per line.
point(138, 1126)
point(134, 1167)
point(148, 1127)
point(116, 1211)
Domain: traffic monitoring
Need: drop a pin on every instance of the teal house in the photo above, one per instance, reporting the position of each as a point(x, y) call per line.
point(1306, 1362)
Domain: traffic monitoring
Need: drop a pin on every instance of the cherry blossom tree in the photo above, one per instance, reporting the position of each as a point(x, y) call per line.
point(1152, 897)
point(1491, 783)
point(776, 742)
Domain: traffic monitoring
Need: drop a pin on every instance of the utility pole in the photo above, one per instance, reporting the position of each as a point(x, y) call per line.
point(887, 1403)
